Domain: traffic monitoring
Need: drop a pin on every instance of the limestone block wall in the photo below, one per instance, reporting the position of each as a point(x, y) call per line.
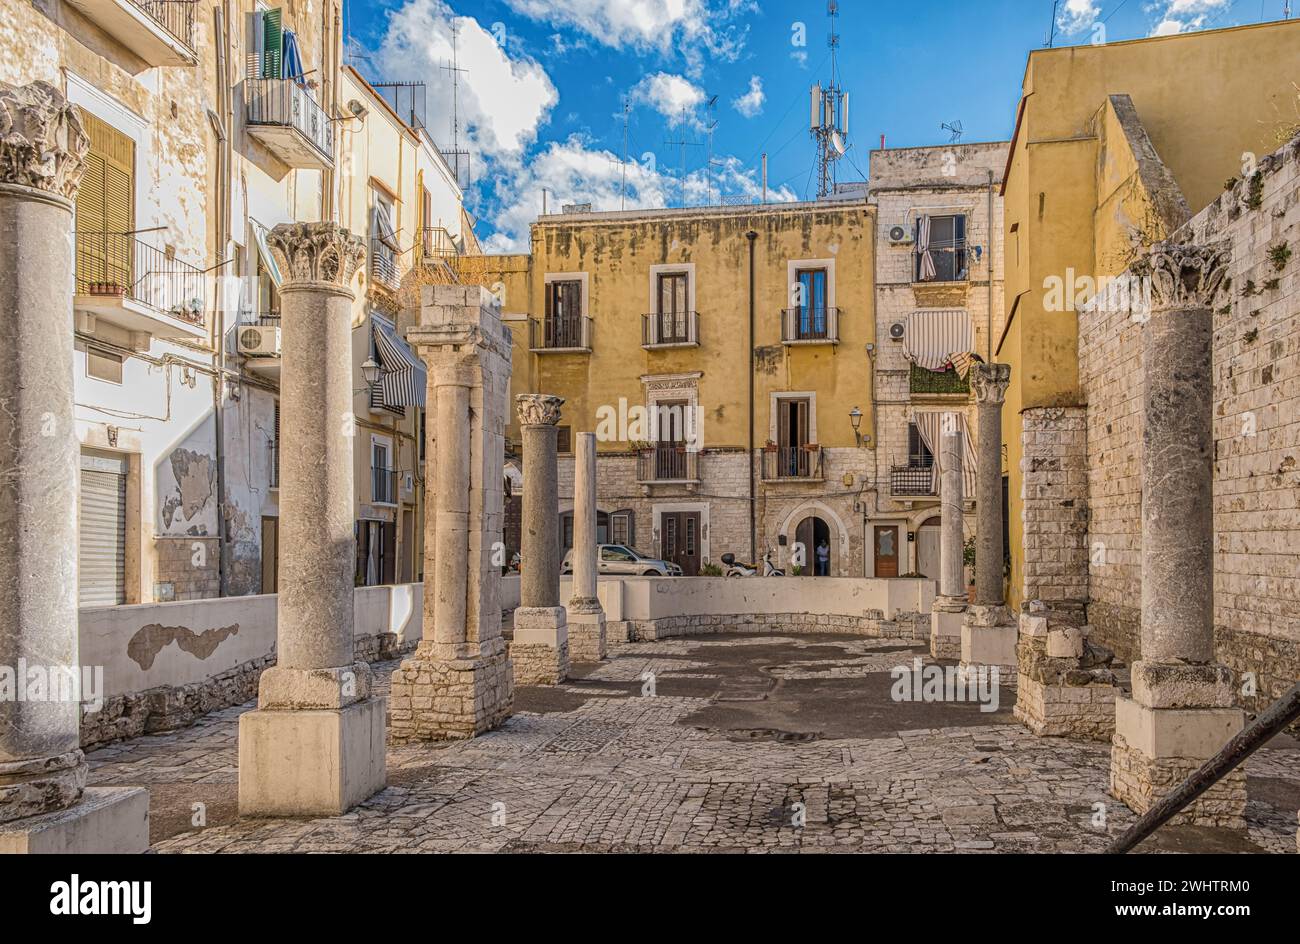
point(1054, 505)
point(1256, 378)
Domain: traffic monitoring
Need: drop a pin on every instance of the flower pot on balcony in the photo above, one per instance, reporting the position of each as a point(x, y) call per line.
point(769, 446)
point(107, 288)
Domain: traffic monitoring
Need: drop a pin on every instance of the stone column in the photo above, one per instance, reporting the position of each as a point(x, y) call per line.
point(1181, 710)
point(988, 635)
point(949, 608)
point(585, 615)
point(315, 744)
point(44, 803)
point(459, 682)
point(540, 650)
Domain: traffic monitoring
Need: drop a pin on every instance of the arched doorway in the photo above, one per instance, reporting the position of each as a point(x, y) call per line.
point(927, 548)
point(819, 554)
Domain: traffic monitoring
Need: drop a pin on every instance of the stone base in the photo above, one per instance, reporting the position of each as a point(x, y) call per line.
point(946, 618)
point(312, 762)
point(586, 636)
point(540, 649)
point(39, 785)
point(1083, 712)
point(1065, 687)
point(988, 637)
point(1156, 749)
point(436, 699)
point(106, 821)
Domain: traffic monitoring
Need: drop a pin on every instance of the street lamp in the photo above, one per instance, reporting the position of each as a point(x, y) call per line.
point(370, 371)
point(855, 418)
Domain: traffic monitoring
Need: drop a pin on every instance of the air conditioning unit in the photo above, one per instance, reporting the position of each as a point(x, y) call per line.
point(900, 235)
point(896, 331)
point(259, 340)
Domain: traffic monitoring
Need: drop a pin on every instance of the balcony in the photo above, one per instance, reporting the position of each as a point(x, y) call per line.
point(383, 486)
point(161, 32)
point(383, 266)
point(436, 244)
point(567, 335)
point(274, 463)
point(912, 481)
point(810, 326)
point(792, 463)
point(670, 329)
point(139, 287)
point(284, 117)
point(667, 462)
point(922, 382)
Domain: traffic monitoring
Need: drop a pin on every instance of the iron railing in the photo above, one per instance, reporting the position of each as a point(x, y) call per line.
point(663, 328)
point(792, 462)
point(565, 333)
point(912, 480)
point(668, 462)
point(436, 243)
point(383, 486)
point(383, 264)
point(924, 381)
point(286, 104)
point(810, 325)
point(119, 265)
point(274, 449)
point(176, 17)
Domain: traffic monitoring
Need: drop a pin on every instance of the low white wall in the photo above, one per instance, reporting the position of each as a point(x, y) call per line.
point(648, 598)
point(168, 645)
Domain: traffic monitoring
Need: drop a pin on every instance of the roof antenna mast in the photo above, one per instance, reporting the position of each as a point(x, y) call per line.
point(829, 113)
point(455, 70)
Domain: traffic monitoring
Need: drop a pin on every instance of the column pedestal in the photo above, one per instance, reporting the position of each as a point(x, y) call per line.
point(988, 638)
point(449, 699)
point(947, 615)
point(587, 636)
point(540, 650)
point(1065, 687)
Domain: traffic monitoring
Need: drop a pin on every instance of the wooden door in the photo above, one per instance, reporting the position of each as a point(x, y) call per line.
point(885, 545)
point(680, 540)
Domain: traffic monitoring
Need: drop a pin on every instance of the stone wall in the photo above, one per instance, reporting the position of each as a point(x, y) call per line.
point(1054, 504)
point(906, 627)
point(1256, 378)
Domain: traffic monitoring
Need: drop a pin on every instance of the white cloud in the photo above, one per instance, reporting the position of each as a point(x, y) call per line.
point(503, 99)
point(574, 172)
point(703, 30)
point(675, 97)
point(1076, 16)
point(751, 103)
point(1182, 16)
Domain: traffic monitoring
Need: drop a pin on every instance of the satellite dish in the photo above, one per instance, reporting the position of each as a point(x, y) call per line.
point(837, 145)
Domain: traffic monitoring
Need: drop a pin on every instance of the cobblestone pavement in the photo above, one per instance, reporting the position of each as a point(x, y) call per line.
point(748, 743)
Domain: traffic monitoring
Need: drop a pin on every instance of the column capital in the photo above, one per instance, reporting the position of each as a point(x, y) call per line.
point(42, 143)
point(320, 253)
point(989, 382)
point(1185, 275)
point(538, 409)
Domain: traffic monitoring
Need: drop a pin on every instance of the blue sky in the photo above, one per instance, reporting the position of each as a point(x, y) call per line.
point(542, 101)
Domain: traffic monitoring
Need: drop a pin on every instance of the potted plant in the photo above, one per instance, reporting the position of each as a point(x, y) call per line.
point(968, 558)
point(769, 446)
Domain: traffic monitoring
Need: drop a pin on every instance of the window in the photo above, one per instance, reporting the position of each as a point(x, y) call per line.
point(812, 303)
point(104, 366)
point(564, 314)
point(383, 478)
point(617, 554)
point(105, 210)
point(621, 527)
point(672, 311)
point(376, 553)
point(918, 453)
point(940, 249)
point(564, 440)
point(275, 449)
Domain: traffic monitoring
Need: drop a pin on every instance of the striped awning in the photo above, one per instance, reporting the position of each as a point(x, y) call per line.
point(403, 380)
point(929, 423)
point(933, 337)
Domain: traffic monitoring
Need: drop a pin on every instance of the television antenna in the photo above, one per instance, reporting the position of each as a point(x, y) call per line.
point(683, 144)
point(953, 129)
point(455, 70)
point(829, 113)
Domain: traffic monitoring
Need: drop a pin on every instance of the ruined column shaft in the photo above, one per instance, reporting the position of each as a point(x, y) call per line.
point(1177, 476)
point(990, 385)
point(452, 462)
point(951, 536)
point(540, 552)
point(317, 499)
point(584, 518)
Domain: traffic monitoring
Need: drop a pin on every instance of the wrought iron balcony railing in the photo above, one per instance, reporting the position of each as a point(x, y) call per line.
point(567, 333)
point(792, 462)
point(912, 480)
point(810, 326)
point(670, 329)
point(174, 16)
point(668, 462)
point(383, 265)
point(383, 486)
point(117, 265)
point(284, 103)
point(274, 449)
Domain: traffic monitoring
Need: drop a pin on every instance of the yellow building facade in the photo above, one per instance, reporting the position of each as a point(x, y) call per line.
point(1099, 131)
point(721, 356)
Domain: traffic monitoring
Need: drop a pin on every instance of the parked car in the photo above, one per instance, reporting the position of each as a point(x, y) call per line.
point(619, 559)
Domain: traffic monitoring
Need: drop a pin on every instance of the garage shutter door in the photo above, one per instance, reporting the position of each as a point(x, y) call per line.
point(101, 544)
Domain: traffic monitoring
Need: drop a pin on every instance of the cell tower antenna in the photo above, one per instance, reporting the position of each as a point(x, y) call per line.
point(455, 70)
point(829, 113)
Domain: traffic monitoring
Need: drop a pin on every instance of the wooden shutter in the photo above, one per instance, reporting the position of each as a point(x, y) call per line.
point(271, 44)
point(105, 204)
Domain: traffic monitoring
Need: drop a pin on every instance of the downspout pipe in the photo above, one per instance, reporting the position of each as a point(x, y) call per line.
point(753, 508)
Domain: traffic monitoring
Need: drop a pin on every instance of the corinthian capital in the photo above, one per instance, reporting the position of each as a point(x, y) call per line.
point(316, 252)
point(538, 409)
point(42, 144)
point(1185, 276)
point(989, 382)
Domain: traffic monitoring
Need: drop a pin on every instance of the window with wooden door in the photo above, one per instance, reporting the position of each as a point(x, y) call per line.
point(793, 435)
point(672, 315)
point(812, 303)
point(564, 314)
point(670, 444)
point(105, 211)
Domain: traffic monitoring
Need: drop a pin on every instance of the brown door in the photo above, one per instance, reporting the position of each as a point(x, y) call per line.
point(792, 436)
point(886, 550)
point(680, 541)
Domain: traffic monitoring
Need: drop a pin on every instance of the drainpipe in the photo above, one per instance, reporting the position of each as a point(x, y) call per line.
point(218, 318)
point(753, 509)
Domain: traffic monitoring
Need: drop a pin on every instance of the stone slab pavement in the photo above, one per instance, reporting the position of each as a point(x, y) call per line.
point(756, 743)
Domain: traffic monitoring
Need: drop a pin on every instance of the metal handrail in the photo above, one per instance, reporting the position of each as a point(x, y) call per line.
point(383, 485)
point(119, 265)
point(285, 103)
point(669, 327)
point(667, 462)
point(792, 462)
point(911, 480)
point(176, 17)
point(810, 324)
point(564, 333)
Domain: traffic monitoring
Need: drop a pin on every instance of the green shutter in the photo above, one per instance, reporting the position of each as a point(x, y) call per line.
point(271, 44)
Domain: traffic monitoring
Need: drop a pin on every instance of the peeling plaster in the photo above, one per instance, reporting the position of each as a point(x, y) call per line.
point(150, 640)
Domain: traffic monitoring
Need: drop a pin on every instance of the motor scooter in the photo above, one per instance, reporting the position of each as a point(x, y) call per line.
point(735, 568)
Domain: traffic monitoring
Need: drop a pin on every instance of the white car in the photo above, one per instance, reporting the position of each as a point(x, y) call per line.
point(622, 560)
